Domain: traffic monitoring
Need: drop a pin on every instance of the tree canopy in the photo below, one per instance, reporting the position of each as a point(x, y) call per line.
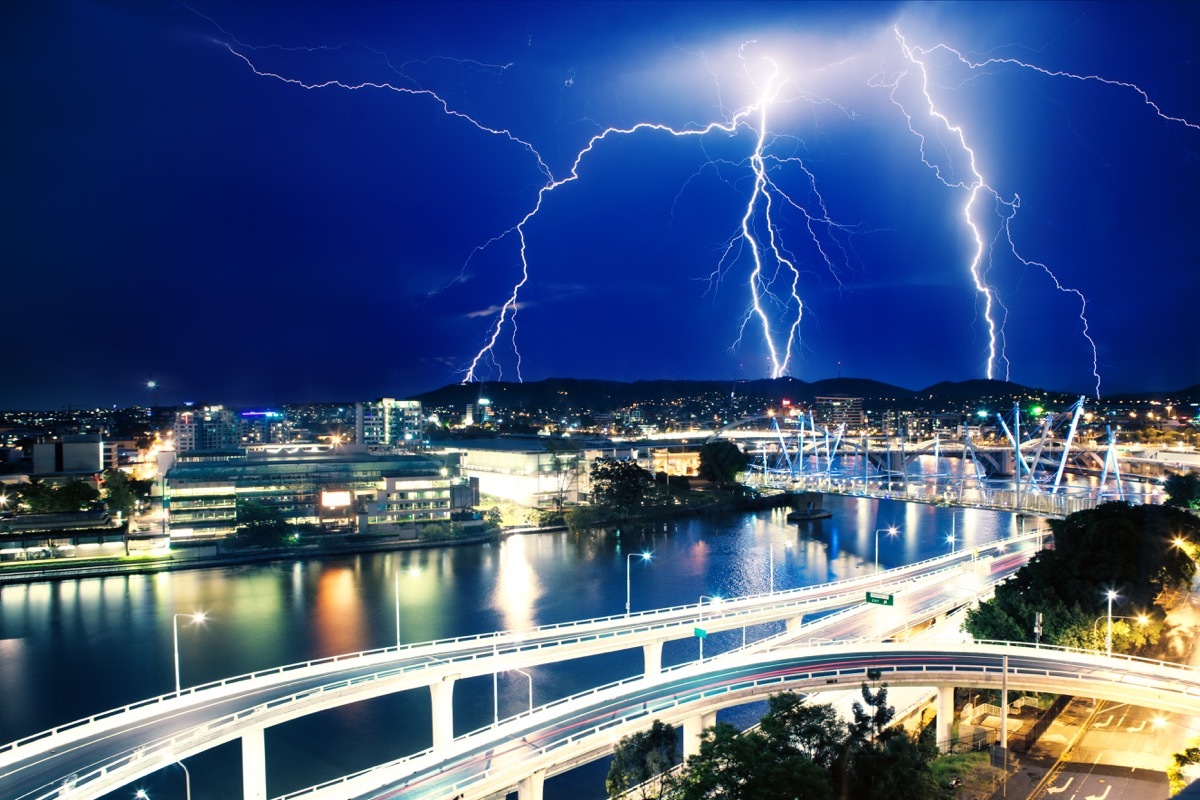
point(1134, 551)
point(800, 751)
point(1183, 490)
point(38, 497)
point(642, 761)
point(619, 483)
point(721, 461)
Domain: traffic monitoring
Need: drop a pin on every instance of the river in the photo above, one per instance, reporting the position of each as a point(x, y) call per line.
point(72, 648)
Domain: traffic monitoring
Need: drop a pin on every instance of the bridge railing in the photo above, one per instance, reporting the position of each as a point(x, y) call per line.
point(768, 643)
point(685, 697)
point(731, 607)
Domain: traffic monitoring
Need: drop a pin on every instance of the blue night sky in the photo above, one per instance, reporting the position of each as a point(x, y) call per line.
point(269, 202)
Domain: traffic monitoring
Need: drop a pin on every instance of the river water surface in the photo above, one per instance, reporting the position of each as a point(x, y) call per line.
point(73, 648)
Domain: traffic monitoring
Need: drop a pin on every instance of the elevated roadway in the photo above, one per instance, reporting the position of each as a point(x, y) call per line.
point(525, 750)
point(93, 756)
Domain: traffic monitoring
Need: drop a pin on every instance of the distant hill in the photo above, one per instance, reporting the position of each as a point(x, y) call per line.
point(601, 395)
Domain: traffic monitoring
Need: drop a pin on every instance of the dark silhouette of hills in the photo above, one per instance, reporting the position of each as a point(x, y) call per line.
point(603, 395)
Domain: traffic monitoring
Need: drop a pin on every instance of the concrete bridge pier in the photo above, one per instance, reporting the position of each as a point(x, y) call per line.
point(254, 765)
point(794, 623)
point(530, 787)
point(945, 717)
point(442, 693)
point(692, 728)
point(652, 656)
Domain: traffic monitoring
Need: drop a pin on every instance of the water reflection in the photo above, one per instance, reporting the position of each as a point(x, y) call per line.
point(264, 615)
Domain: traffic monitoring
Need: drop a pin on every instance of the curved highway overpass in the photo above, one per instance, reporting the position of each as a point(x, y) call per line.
point(96, 755)
point(521, 752)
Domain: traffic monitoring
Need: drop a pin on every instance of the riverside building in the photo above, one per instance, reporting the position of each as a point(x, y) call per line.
point(342, 489)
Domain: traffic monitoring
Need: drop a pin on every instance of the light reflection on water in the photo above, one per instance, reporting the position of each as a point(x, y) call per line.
point(78, 647)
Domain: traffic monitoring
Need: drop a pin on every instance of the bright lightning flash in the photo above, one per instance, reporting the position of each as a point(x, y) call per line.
point(977, 187)
point(773, 283)
point(774, 307)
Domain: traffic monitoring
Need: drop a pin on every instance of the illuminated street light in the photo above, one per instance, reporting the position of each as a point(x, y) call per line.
point(529, 678)
point(1140, 619)
point(1108, 636)
point(196, 618)
point(891, 531)
point(629, 560)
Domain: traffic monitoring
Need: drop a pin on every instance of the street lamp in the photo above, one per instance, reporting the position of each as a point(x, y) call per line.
point(629, 560)
point(1108, 636)
point(950, 540)
point(1140, 619)
point(715, 600)
point(529, 678)
point(891, 531)
point(196, 618)
point(187, 781)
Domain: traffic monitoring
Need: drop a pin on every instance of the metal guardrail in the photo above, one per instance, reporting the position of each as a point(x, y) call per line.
point(730, 608)
point(675, 701)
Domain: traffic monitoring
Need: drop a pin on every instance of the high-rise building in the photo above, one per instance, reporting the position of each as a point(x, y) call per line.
point(207, 428)
point(387, 423)
point(265, 427)
point(833, 410)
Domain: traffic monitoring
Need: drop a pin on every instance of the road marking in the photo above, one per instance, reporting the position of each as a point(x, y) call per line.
point(1107, 789)
point(1141, 727)
point(1063, 788)
point(1104, 724)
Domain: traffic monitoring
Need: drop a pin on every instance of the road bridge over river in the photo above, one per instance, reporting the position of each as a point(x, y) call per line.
point(93, 756)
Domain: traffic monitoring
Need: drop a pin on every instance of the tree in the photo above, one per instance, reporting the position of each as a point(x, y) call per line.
point(262, 525)
point(1132, 550)
point(1183, 490)
point(721, 461)
point(869, 725)
point(815, 731)
point(892, 768)
point(746, 766)
point(1185, 758)
point(643, 760)
point(37, 497)
point(118, 494)
point(619, 483)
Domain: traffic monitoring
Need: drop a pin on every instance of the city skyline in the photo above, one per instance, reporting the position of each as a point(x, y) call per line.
point(266, 203)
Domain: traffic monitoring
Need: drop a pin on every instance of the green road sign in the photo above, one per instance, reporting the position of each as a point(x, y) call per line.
point(880, 599)
point(700, 632)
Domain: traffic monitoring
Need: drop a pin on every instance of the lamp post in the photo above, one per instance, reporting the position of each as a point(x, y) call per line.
point(529, 678)
point(1108, 636)
point(628, 561)
point(891, 531)
point(197, 617)
point(187, 781)
point(714, 599)
point(951, 539)
point(1140, 619)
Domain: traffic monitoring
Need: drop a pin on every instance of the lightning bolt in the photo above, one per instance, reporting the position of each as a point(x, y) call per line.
point(772, 264)
point(773, 283)
point(976, 186)
point(774, 186)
